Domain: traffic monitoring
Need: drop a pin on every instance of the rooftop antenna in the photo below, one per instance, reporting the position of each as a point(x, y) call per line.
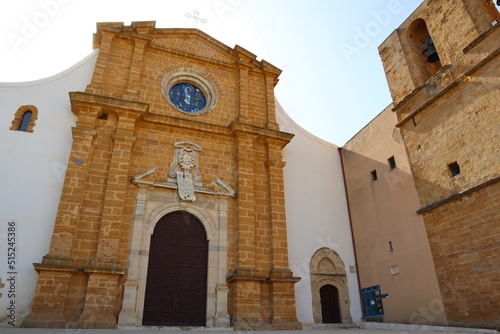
point(196, 18)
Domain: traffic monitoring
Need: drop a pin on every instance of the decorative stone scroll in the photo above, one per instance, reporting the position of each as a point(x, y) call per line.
point(185, 161)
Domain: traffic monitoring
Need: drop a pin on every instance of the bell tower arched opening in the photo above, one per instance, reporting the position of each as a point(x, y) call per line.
point(425, 56)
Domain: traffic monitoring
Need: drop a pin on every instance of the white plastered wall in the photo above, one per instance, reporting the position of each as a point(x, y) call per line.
point(316, 211)
point(32, 170)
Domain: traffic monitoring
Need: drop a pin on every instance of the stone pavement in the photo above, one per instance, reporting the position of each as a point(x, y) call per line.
point(368, 328)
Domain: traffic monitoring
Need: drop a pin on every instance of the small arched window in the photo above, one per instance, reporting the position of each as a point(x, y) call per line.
point(25, 121)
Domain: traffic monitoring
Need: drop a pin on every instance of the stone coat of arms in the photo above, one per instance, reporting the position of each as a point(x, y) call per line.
point(185, 169)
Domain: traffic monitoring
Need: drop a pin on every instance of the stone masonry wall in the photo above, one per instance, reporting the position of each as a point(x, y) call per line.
point(450, 118)
point(465, 239)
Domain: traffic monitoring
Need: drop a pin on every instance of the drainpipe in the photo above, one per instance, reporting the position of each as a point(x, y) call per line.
point(352, 232)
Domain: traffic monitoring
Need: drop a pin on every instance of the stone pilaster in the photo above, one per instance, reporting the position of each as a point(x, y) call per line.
point(105, 269)
point(222, 290)
point(105, 38)
point(270, 81)
point(69, 206)
point(284, 316)
point(109, 233)
point(102, 301)
point(128, 314)
point(54, 276)
point(245, 279)
point(245, 236)
point(281, 279)
point(243, 93)
point(140, 43)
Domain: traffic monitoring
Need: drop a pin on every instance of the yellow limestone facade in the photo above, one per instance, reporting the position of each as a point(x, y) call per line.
point(137, 157)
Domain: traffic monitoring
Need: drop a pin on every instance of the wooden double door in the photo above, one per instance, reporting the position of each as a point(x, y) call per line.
point(176, 286)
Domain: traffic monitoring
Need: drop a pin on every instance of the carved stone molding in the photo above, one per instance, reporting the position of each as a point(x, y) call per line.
point(155, 199)
point(327, 268)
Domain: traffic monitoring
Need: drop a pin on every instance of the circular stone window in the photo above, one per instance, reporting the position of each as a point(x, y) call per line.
point(189, 91)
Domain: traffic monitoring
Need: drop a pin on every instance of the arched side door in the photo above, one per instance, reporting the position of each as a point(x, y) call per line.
point(176, 285)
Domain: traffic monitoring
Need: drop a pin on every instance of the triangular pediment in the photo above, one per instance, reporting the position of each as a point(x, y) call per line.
point(193, 43)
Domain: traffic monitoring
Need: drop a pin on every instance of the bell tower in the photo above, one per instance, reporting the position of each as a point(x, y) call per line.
point(442, 67)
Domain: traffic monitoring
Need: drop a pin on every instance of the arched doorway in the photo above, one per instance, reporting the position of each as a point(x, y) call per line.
point(330, 305)
point(176, 285)
point(330, 295)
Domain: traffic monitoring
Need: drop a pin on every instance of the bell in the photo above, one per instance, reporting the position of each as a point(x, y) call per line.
point(432, 55)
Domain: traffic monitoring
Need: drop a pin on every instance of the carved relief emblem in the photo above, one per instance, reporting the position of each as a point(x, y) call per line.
point(185, 169)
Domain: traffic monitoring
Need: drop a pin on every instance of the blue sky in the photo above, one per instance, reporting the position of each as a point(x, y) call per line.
point(332, 83)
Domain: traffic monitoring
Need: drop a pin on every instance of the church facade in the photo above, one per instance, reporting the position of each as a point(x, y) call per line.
point(167, 187)
point(166, 130)
point(176, 171)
